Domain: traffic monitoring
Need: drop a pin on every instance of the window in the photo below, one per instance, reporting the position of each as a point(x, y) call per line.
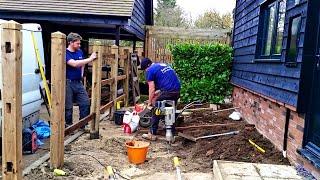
point(293, 39)
point(271, 30)
point(293, 2)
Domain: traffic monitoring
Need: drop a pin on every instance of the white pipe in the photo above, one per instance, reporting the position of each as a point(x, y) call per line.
point(284, 153)
point(179, 177)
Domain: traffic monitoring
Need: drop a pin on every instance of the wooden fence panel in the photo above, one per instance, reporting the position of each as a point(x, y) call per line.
point(158, 40)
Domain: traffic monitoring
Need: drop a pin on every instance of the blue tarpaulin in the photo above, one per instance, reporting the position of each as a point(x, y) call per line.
point(42, 128)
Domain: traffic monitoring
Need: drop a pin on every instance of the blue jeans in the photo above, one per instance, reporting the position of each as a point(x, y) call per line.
point(155, 119)
point(75, 92)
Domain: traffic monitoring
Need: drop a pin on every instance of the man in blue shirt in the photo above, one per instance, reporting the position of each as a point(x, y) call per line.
point(163, 79)
point(75, 91)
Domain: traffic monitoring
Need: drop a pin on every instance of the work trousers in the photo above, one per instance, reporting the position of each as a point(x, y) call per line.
point(75, 92)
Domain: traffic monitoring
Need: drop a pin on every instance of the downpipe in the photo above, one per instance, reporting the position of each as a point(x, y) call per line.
point(286, 132)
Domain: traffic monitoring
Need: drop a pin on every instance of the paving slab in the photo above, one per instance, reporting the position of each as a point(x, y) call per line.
point(279, 171)
point(228, 170)
point(133, 172)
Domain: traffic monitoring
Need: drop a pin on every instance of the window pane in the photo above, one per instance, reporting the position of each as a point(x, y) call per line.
point(293, 2)
point(293, 36)
point(280, 28)
point(268, 31)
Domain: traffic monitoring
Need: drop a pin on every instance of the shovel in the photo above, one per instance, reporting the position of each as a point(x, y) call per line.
point(191, 138)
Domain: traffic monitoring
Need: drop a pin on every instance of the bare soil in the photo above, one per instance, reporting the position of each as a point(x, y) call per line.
point(232, 147)
point(196, 157)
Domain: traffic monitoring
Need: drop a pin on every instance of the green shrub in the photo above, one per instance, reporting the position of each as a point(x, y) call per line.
point(204, 71)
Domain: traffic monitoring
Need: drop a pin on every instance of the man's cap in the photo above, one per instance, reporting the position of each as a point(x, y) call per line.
point(145, 63)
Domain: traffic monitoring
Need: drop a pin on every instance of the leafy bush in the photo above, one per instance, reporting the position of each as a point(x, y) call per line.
point(204, 71)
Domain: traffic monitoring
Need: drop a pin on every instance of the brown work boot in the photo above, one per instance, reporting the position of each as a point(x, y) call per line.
point(149, 137)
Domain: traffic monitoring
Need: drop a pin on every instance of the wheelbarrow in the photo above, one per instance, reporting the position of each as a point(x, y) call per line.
point(146, 114)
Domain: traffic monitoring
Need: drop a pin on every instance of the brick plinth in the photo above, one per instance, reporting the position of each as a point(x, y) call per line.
point(269, 118)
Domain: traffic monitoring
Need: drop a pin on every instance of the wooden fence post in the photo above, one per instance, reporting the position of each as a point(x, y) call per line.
point(58, 93)
point(149, 47)
point(114, 74)
point(96, 90)
point(121, 57)
point(11, 60)
point(127, 73)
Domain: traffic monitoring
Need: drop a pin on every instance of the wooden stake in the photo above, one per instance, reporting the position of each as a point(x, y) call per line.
point(11, 60)
point(127, 72)
point(96, 90)
point(150, 53)
point(58, 93)
point(121, 57)
point(114, 74)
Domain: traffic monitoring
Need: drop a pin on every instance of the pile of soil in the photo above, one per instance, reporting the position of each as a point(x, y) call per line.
point(233, 148)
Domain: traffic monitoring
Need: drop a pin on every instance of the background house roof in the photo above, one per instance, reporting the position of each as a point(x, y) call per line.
point(86, 7)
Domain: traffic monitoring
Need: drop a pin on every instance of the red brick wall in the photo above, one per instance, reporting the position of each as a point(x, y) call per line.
point(269, 118)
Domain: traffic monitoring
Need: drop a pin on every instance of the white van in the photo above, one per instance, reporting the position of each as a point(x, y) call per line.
point(31, 79)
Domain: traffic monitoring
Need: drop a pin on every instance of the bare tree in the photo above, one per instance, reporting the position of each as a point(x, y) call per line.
point(213, 19)
point(168, 13)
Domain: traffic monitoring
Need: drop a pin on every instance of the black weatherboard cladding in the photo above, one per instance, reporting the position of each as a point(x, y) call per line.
point(274, 79)
point(138, 19)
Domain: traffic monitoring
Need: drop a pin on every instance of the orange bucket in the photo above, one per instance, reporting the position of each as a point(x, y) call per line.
point(137, 151)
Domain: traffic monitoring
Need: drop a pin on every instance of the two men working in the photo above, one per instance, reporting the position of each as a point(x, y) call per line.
point(160, 77)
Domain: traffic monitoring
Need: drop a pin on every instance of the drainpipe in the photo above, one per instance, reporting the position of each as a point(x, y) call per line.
point(286, 132)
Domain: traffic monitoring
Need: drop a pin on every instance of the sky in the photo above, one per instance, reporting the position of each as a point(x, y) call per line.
point(194, 8)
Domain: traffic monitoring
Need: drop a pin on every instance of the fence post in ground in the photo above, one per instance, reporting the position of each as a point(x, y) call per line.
point(11, 60)
point(114, 75)
point(96, 90)
point(126, 69)
point(58, 92)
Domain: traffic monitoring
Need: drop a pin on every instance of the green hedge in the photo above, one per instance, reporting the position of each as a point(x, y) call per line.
point(204, 71)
